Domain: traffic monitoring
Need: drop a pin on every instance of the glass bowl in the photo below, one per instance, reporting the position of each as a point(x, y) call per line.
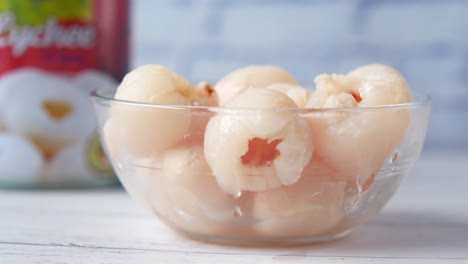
point(261, 176)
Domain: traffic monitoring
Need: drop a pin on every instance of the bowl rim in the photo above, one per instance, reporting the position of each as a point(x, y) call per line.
point(107, 96)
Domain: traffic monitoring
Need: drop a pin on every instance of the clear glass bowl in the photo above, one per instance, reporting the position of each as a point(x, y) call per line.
point(258, 176)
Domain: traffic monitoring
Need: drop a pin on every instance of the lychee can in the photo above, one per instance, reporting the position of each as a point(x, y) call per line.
point(53, 54)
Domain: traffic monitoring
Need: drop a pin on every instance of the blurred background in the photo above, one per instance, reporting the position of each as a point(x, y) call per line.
point(427, 40)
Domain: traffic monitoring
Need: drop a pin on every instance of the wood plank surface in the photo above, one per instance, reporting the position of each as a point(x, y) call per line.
point(426, 222)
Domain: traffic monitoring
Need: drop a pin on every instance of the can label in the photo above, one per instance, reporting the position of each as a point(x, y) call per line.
point(55, 37)
point(52, 54)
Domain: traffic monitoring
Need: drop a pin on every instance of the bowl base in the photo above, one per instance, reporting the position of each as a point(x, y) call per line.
point(265, 241)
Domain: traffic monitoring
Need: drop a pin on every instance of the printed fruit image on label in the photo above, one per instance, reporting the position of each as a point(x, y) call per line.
point(53, 54)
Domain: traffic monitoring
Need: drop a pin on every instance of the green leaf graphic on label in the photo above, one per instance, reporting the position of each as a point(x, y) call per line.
point(97, 158)
point(37, 12)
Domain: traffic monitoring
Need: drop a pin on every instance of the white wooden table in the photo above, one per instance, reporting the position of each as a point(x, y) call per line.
point(426, 222)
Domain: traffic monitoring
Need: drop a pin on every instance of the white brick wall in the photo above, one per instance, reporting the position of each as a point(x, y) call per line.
point(286, 25)
point(426, 39)
point(417, 24)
